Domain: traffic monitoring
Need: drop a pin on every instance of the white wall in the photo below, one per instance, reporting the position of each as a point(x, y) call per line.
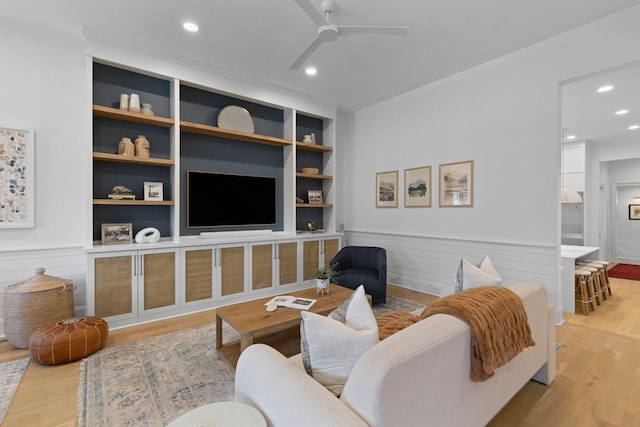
point(43, 88)
point(504, 115)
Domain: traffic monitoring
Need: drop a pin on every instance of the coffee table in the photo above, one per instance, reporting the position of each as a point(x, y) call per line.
point(251, 319)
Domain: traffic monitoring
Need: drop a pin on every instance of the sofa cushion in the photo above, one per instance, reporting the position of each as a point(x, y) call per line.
point(330, 346)
point(472, 276)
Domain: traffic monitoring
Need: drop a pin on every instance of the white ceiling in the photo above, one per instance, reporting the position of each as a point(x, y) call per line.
point(259, 39)
point(590, 115)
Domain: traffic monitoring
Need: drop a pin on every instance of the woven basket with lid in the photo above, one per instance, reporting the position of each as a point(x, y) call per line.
point(33, 303)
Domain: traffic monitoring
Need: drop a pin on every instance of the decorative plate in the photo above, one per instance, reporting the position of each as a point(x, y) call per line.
point(234, 117)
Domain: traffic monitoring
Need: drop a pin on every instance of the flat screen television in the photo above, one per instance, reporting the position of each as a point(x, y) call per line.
point(229, 200)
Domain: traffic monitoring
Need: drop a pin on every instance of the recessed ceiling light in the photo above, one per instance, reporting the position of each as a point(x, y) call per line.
point(191, 27)
point(570, 137)
point(311, 71)
point(606, 88)
point(634, 127)
point(621, 112)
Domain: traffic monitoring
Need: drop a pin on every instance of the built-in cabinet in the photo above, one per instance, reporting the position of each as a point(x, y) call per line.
point(138, 285)
point(133, 282)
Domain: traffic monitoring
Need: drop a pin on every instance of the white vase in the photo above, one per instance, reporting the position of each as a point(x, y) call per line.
point(322, 283)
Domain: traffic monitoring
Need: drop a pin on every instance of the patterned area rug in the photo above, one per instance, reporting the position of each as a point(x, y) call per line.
point(625, 271)
point(10, 376)
point(153, 381)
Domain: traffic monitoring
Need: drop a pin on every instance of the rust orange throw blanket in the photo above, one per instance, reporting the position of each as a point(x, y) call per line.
point(498, 322)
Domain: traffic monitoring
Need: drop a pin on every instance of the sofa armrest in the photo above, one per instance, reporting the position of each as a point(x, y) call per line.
point(285, 394)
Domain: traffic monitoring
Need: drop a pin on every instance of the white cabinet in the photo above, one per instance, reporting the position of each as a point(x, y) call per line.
point(132, 284)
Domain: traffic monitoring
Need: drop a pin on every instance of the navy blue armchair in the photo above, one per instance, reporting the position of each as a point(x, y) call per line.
point(362, 265)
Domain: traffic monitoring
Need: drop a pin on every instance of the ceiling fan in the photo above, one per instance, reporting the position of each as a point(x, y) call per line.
point(328, 32)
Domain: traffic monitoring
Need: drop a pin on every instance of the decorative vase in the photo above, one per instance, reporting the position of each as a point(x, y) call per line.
point(146, 109)
point(142, 147)
point(125, 147)
point(134, 103)
point(124, 101)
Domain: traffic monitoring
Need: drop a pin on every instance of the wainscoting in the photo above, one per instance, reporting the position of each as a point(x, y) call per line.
point(68, 263)
point(429, 264)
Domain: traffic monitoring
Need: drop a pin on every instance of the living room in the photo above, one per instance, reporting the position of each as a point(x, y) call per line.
point(502, 114)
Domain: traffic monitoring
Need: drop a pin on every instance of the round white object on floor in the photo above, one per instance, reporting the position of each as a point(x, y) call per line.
point(221, 414)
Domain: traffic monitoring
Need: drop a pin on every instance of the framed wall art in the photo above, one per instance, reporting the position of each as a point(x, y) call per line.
point(417, 187)
point(634, 211)
point(315, 197)
point(17, 177)
point(113, 234)
point(387, 189)
point(153, 191)
point(456, 184)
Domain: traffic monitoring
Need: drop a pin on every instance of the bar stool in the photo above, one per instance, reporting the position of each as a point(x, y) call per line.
point(581, 293)
point(597, 271)
point(607, 285)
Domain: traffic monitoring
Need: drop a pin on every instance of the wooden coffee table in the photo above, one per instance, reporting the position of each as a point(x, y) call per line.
point(251, 319)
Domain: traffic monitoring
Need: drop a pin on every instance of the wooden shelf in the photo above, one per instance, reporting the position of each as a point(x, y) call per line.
point(305, 146)
point(314, 205)
point(117, 158)
point(133, 202)
point(128, 116)
point(306, 175)
point(233, 134)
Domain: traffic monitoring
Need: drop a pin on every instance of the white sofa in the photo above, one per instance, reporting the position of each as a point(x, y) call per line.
point(416, 377)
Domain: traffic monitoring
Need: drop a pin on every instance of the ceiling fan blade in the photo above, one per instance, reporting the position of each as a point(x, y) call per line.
point(306, 54)
point(313, 13)
point(346, 31)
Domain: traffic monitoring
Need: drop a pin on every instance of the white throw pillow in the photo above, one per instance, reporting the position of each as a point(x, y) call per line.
point(331, 346)
point(473, 276)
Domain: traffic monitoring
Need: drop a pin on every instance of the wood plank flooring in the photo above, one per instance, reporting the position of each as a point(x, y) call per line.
point(598, 382)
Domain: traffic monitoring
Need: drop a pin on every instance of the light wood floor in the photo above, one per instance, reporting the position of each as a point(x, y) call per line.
point(598, 382)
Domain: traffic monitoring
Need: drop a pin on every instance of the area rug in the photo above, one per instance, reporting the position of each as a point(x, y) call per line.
point(10, 376)
point(153, 381)
point(625, 271)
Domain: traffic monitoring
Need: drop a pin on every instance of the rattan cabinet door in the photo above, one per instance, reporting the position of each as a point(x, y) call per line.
point(311, 259)
point(261, 266)
point(331, 248)
point(113, 282)
point(288, 262)
point(158, 279)
point(232, 270)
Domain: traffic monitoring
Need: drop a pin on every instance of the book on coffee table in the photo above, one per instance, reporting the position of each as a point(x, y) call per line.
point(292, 302)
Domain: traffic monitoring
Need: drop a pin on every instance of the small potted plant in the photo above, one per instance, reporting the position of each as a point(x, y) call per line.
point(323, 278)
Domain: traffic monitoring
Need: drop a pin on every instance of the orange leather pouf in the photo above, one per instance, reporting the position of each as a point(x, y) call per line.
point(68, 340)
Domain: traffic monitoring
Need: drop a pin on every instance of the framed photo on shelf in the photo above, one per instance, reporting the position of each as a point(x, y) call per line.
point(315, 197)
point(634, 211)
point(456, 184)
point(113, 234)
point(153, 191)
point(417, 187)
point(17, 177)
point(387, 189)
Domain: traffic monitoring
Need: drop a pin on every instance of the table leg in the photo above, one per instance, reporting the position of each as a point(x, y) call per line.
point(218, 331)
point(245, 341)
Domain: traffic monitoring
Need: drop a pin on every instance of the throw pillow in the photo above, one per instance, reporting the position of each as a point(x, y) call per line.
point(473, 276)
point(331, 346)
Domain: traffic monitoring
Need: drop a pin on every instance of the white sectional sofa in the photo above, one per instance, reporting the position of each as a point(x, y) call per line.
point(416, 377)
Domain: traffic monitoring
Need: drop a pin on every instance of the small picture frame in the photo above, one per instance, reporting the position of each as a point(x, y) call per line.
point(634, 211)
point(387, 189)
point(417, 187)
point(153, 191)
point(456, 184)
point(315, 197)
point(113, 234)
